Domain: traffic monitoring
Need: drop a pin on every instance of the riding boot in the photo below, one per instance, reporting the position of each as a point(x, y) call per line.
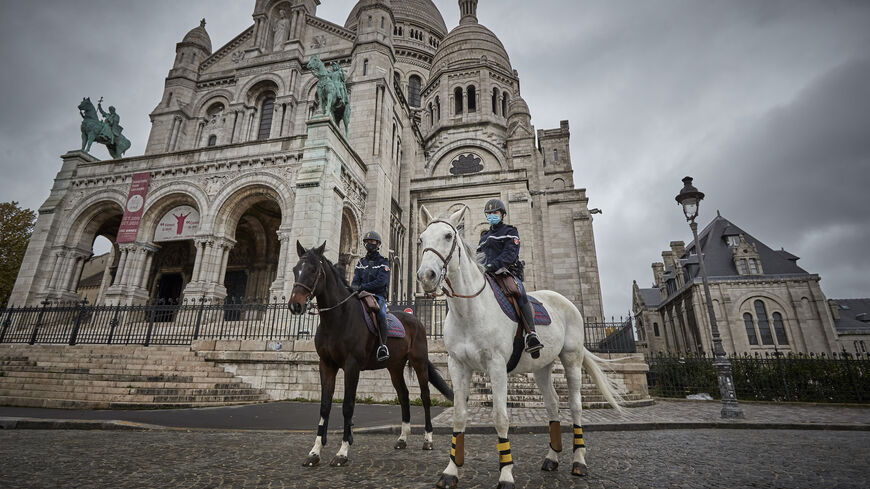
point(533, 344)
point(383, 352)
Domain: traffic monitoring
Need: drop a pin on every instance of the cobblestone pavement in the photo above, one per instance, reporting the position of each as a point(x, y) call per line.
point(683, 412)
point(660, 459)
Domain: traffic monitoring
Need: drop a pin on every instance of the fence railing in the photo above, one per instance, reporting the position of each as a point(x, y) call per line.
point(842, 377)
point(181, 322)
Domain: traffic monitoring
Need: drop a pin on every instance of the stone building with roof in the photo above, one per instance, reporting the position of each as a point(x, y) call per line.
point(763, 301)
point(238, 148)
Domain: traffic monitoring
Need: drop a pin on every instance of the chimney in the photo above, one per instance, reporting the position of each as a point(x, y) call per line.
point(658, 270)
point(678, 248)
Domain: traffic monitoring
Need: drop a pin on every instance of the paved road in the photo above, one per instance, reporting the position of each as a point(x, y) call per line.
point(660, 459)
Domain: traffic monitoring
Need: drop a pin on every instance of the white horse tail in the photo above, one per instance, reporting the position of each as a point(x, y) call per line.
point(605, 383)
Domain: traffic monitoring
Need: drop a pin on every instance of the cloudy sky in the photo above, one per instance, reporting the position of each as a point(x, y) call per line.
point(765, 102)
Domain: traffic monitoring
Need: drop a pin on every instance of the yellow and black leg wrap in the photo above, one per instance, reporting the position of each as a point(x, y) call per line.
point(555, 436)
point(578, 437)
point(457, 448)
point(504, 453)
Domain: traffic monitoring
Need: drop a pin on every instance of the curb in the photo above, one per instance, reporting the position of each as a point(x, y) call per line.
point(10, 423)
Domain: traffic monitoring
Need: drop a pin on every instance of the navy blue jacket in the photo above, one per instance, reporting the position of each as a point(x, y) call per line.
point(501, 245)
point(372, 274)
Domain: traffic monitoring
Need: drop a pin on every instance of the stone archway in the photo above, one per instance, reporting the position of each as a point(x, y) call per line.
point(348, 252)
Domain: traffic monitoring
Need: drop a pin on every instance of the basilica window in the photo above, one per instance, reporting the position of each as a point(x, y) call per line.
point(382, 22)
point(169, 100)
point(365, 67)
point(414, 83)
point(779, 329)
point(431, 122)
point(472, 99)
point(267, 110)
point(758, 326)
point(495, 101)
point(555, 155)
point(753, 266)
point(763, 323)
point(741, 267)
point(750, 328)
point(212, 140)
point(438, 107)
point(504, 104)
point(457, 96)
point(656, 329)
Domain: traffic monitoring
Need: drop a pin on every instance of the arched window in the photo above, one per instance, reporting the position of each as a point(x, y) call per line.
point(457, 95)
point(212, 140)
point(430, 114)
point(763, 323)
point(779, 329)
point(504, 104)
point(267, 110)
point(750, 328)
point(438, 108)
point(382, 22)
point(169, 99)
point(194, 58)
point(555, 155)
point(656, 329)
point(365, 67)
point(472, 99)
point(370, 20)
point(414, 91)
point(495, 101)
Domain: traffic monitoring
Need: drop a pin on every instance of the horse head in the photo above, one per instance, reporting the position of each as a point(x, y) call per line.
point(86, 104)
point(310, 277)
point(439, 241)
point(315, 65)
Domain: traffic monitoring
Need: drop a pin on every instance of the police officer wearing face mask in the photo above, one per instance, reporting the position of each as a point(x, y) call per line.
point(372, 274)
point(501, 246)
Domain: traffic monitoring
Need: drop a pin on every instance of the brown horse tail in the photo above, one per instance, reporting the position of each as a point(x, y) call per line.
point(438, 381)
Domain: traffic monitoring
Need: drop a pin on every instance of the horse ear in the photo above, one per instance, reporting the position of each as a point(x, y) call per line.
point(300, 250)
point(424, 213)
point(456, 218)
point(320, 250)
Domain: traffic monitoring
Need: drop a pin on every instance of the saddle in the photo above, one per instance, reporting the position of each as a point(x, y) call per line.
point(507, 293)
point(370, 309)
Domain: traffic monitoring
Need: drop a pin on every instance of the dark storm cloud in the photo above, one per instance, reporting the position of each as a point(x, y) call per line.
point(764, 102)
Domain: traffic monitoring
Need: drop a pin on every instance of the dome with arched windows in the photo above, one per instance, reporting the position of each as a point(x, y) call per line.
point(422, 12)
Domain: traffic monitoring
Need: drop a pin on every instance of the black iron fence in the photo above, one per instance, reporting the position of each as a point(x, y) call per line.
point(181, 322)
point(842, 377)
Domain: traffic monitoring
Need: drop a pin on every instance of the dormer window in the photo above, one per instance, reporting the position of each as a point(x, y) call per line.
point(746, 258)
point(732, 240)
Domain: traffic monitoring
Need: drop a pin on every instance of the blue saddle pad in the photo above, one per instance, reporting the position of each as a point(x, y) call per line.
point(542, 317)
point(394, 326)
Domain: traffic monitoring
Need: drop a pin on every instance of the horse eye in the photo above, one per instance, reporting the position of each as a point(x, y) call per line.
point(448, 236)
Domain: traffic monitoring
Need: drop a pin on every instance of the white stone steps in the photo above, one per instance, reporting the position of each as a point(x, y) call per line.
point(134, 398)
point(85, 404)
point(23, 378)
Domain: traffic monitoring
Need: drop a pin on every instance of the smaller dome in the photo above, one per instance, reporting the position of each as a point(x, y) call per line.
point(199, 37)
point(519, 107)
point(469, 44)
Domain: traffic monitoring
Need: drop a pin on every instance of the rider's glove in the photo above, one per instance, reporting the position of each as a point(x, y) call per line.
point(490, 268)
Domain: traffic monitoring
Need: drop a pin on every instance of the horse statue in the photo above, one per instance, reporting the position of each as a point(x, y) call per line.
point(106, 132)
point(343, 341)
point(332, 91)
point(480, 337)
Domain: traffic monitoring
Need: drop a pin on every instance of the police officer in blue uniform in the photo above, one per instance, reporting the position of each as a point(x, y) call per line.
point(501, 246)
point(372, 274)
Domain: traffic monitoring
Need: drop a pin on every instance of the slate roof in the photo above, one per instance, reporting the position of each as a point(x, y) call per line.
point(851, 311)
point(651, 297)
point(718, 256)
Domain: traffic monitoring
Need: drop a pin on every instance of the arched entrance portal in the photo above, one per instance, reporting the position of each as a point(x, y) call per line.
point(253, 261)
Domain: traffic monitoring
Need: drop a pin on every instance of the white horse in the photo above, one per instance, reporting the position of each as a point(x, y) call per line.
point(480, 337)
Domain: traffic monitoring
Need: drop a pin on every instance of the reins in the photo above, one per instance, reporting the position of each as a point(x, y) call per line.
point(315, 309)
point(443, 275)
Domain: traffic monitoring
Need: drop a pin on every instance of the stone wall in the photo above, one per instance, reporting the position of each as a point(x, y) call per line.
point(288, 369)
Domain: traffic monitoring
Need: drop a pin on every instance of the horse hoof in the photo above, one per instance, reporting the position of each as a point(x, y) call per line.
point(401, 445)
point(549, 465)
point(339, 461)
point(447, 482)
point(427, 445)
point(311, 461)
point(505, 485)
point(579, 469)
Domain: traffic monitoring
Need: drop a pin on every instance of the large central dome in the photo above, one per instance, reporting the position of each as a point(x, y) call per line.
point(422, 12)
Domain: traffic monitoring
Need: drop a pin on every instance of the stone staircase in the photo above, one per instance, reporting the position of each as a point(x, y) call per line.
point(523, 392)
point(116, 377)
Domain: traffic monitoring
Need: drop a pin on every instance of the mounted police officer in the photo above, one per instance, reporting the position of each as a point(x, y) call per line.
point(372, 274)
point(501, 246)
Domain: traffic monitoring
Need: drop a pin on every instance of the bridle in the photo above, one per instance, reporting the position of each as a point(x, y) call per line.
point(442, 277)
point(315, 309)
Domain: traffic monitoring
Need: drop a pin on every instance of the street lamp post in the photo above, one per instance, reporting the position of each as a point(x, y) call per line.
point(690, 198)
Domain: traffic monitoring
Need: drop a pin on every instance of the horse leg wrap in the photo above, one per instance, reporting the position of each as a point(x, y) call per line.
point(555, 436)
point(578, 437)
point(504, 453)
point(457, 449)
point(321, 432)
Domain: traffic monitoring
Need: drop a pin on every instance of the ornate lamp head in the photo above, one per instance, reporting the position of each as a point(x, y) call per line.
point(690, 198)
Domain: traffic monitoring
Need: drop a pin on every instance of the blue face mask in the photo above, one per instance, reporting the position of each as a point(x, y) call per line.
point(493, 219)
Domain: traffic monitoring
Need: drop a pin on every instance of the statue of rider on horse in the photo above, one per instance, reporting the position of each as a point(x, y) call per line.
point(106, 131)
point(332, 96)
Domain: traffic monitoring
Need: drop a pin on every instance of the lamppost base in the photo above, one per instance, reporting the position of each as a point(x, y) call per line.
point(731, 411)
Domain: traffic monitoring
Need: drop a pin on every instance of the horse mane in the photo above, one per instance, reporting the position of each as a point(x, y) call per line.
point(336, 272)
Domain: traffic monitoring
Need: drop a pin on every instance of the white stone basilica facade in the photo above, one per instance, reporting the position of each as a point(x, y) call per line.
point(240, 158)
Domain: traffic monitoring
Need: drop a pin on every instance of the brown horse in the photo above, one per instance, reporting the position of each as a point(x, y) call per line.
point(344, 342)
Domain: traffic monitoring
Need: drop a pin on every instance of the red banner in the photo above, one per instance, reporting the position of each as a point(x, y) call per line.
point(134, 207)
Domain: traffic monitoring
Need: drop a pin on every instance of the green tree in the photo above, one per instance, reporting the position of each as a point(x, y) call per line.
point(16, 225)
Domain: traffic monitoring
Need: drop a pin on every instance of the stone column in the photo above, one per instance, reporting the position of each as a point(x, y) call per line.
point(200, 255)
point(132, 268)
point(119, 273)
point(277, 121)
point(143, 271)
point(67, 276)
point(234, 135)
point(55, 271)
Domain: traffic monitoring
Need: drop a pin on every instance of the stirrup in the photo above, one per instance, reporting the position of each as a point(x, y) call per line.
point(383, 353)
point(533, 344)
